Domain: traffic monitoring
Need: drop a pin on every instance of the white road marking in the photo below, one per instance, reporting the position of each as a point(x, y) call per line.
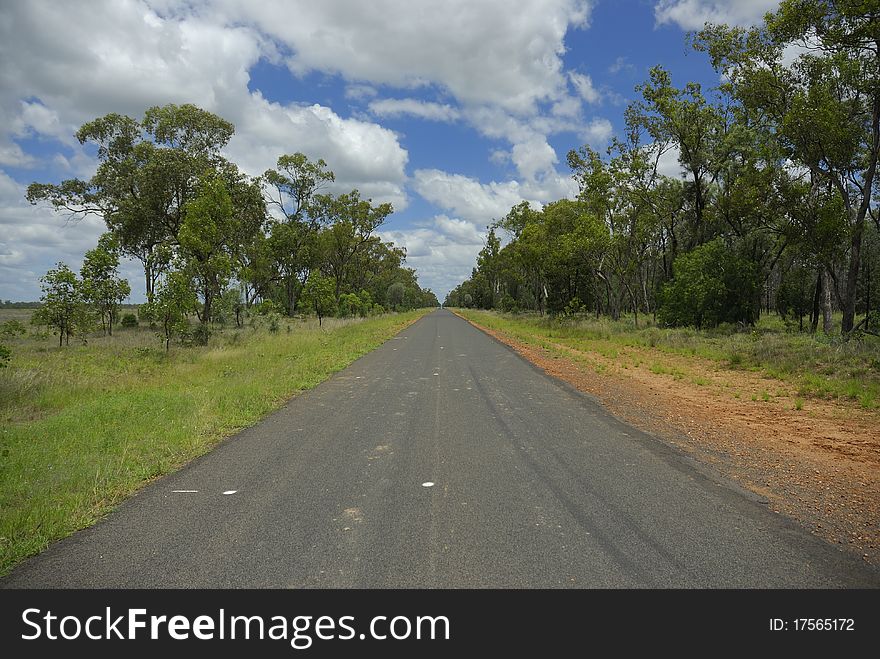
point(184, 491)
point(230, 491)
point(428, 484)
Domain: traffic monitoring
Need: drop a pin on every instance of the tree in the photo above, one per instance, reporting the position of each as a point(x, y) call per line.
point(62, 300)
point(172, 301)
point(352, 221)
point(101, 285)
point(318, 295)
point(147, 173)
point(214, 229)
point(291, 189)
point(823, 108)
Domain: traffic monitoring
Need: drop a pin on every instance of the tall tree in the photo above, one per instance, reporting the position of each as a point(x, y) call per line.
point(147, 173)
point(352, 221)
point(290, 190)
point(823, 108)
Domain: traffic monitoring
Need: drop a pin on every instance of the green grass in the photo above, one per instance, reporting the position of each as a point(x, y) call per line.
point(85, 426)
point(817, 365)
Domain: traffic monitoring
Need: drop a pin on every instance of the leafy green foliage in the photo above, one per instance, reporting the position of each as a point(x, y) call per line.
point(318, 295)
point(129, 321)
point(102, 287)
point(172, 301)
point(63, 307)
point(712, 285)
point(12, 329)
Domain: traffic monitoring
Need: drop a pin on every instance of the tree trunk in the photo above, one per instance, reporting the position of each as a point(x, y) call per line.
point(852, 276)
point(814, 312)
point(826, 301)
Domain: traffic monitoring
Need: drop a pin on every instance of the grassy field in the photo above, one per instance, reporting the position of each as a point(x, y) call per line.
point(86, 425)
point(818, 365)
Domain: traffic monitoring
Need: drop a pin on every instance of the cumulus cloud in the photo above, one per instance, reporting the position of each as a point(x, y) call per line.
point(482, 203)
point(468, 198)
point(597, 132)
point(405, 44)
point(131, 58)
point(443, 250)
point(694, 14)
point(33, 238)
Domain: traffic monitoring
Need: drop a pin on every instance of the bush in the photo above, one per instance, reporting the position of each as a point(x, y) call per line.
point(5, 356)
point(712, 285)
point(129, 320)
point(508, 304)
point(12, 328)
point(268, 306)
point(349, 305)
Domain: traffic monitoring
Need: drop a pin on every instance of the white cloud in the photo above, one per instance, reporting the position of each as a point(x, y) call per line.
point(668, 164)
point(499, 156)
point(476, 202)
point(395, 107)
point(534, 157)
point(620, 64)
point(500, 62)
point(597, 132)
point(361, 154)
point(584, 86)
point(124, 57)
point(358, 92)
point(33, 239)
point(494, 52)
point(443, 250)
point(694, 14)
point(482, 203)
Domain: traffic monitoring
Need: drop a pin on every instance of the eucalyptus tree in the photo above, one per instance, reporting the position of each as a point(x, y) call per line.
point(147, 173)
point(811, 75)
point(291, 189)
point(102, 287)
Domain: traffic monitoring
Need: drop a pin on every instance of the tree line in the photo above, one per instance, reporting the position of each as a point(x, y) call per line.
point(212, 241)
point(775, 208)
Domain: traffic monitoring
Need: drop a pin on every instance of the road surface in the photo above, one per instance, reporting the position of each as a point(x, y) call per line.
point(442, 459)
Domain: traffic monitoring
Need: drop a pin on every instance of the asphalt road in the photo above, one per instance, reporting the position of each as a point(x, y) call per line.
point(534, 485)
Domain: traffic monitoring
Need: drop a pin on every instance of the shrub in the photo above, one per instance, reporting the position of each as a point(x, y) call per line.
point(12, 328)
point(712, 285)
point(129, 320)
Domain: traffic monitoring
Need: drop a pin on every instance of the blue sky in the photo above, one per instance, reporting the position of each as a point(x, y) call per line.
point(453, 111)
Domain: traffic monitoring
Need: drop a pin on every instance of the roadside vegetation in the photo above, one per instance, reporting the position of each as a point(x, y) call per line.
point(85, 426)
point(724, 206)
point(828, 367)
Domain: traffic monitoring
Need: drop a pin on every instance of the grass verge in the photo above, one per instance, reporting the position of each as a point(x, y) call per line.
point(84, 427)
point(816, 365)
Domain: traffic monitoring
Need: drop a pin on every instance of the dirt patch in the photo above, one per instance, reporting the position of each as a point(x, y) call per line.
point(816, 461)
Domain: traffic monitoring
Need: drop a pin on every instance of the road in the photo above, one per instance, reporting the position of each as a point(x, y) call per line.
point(442, 459)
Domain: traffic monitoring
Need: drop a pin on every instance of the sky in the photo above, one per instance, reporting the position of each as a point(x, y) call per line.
point(453, 111)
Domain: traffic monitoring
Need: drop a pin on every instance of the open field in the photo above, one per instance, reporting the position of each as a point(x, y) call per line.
point(792, 418)
point(86, 425)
